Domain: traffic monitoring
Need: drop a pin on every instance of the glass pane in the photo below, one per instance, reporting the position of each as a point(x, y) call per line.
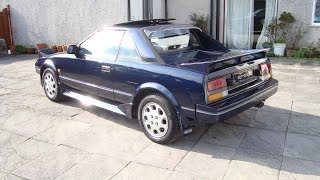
point(103, 44)
point(127, 49)
point(317, 12)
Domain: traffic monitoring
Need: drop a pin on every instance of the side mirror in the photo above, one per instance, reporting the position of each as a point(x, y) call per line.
point(73, 49)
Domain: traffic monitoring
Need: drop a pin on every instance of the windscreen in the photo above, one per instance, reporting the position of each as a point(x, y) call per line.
point(172, 40)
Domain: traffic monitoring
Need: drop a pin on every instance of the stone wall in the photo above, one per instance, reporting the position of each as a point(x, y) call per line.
point(63, 21)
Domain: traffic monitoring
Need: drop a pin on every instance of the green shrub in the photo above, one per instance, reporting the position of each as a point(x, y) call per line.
point(20, 50)
point(301, 53)
point(200, 21)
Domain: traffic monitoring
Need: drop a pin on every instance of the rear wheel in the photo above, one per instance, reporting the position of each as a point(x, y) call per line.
point(158, 119)
point(51, 85)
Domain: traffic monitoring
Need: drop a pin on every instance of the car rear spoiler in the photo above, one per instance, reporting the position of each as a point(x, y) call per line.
point(244, 54)
point(45, 52)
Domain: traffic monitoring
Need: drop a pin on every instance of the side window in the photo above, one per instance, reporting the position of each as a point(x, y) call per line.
point(103, 44)
point(127, 48)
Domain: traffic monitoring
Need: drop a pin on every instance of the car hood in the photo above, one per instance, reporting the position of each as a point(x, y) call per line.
point(202, 61)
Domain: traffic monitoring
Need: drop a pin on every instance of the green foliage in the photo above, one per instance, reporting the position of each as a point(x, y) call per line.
point(20, 49)
point(201, 21)
point(278, 29)
point(267, 45)
point(301, 53)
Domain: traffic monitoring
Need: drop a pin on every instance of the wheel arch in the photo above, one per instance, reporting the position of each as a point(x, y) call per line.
point(149, 88)
point(47, 64)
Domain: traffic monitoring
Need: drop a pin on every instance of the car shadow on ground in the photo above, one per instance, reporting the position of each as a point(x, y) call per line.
point(256, 138)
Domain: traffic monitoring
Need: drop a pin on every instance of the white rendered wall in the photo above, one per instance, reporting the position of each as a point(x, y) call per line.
point(62, 21)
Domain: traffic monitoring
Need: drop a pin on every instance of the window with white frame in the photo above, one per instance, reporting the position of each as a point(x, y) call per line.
point(316, 13)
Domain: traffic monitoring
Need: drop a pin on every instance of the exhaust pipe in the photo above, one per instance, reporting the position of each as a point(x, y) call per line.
point(260, 105)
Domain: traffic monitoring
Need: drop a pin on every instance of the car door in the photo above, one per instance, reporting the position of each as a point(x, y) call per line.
point(98, 54)
point(126, 71)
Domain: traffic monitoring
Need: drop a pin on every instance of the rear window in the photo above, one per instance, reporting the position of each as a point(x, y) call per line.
point(171, 40)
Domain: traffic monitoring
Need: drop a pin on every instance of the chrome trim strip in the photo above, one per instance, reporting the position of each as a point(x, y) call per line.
point(123, 93)
point(185, 108)
point(87, 100)
point(95, 86)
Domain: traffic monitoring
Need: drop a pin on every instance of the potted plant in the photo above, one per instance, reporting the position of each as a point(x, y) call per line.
point(65, 48)
point(59, 48)
point(267, 45)
point(279, 47)
point(30, 49)
point(277, 32)
point(54, 48)
point(11, 49)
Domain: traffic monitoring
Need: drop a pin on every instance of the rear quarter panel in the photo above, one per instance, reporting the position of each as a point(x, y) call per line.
point(185, 86)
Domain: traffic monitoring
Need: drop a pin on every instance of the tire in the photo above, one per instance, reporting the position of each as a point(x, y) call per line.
point(51, 85)
point(158, 119)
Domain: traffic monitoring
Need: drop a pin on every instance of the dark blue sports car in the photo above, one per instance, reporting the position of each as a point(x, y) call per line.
point(170, 77)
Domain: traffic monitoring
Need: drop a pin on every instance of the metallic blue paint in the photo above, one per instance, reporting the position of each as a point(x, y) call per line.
point(181, 83)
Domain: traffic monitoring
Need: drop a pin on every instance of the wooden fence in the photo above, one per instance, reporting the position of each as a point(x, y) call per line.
point(5, 26)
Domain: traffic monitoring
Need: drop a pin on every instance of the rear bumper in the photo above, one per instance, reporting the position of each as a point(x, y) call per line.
point(215, 112)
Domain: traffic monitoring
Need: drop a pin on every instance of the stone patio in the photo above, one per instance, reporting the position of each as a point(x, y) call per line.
point(40, 139)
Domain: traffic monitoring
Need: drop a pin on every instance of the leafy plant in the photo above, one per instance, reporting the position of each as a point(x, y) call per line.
point(201, 21)
point(20, 49)
point(277, 30)
point(267, 45)
point(295, 35)
point(301, 53)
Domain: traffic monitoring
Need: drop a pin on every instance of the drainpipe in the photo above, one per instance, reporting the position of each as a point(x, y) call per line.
point(211, 17)
point(129, 10)
point(218, 19)
point(166, 8)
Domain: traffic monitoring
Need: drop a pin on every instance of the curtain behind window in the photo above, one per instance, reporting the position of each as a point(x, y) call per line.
point(270, 12)
point(238, 24)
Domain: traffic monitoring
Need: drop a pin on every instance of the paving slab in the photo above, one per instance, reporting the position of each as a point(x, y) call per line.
point(224, 135)
point(121, 142)
point(140, 171)
point(261, 119)
point(265, 141)
point(254, 165)
point(305, 124)
point(9, 140)
point(306, 108)
point(95, 167)
point(302, 146)
point(17, 156)
point(61, 131)
point(164, 156)
point(52, 164)
point(297, 169)
point(207, 160)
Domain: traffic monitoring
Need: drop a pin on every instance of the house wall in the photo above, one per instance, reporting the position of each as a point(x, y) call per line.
point(63, 21)
point(302, 11)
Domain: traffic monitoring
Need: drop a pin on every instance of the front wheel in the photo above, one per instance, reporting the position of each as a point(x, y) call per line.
point(158, 119)
point(51, 85)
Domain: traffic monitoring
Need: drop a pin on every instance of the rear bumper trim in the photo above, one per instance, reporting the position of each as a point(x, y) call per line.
point(209, 114)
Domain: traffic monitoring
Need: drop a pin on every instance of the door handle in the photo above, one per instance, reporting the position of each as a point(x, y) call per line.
point(105, 68)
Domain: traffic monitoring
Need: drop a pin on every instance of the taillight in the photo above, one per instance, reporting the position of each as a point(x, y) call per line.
point(217, 89)
point(216, 84)
point(265, 71)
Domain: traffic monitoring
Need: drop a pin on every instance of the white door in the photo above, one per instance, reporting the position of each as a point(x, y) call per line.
point(136, 10)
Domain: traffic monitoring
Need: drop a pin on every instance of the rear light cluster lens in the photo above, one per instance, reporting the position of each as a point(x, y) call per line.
point(265, 71)
point(217, 89)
